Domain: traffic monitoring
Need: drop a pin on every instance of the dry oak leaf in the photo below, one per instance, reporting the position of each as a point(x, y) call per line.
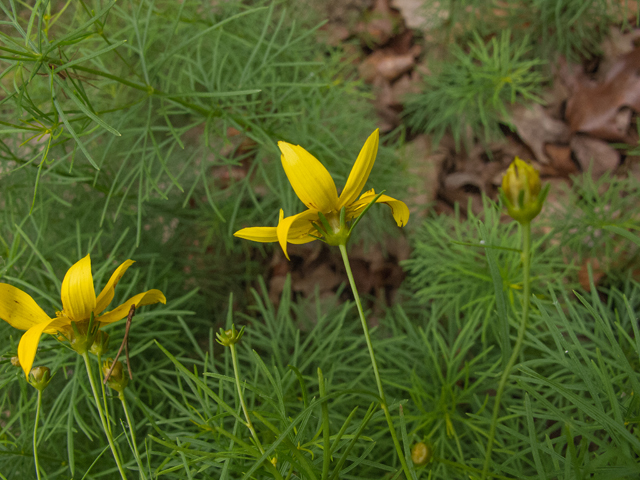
point(599, 108)
point(536, 127)
point(387, 64)
point(595, 154)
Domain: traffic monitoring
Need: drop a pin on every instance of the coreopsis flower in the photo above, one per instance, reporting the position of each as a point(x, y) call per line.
point(522, 191)
point(79, 304)
point(316, 189)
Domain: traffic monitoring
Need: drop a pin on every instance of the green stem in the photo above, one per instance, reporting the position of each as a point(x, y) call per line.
point(234, 356)
point(526, 283)
point(374, 364)
point(325, 428)
point(107, 430)
point(133, 434)
point(35, 435)
point(104, 393)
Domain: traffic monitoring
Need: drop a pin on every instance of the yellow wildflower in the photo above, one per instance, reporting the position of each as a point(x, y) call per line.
point(79, 301)
point(316, 189)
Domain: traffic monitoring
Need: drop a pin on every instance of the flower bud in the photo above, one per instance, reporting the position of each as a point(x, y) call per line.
point(229, 337)
point(118, 380)
point(80, 339)
point(15, 361)
point(39, 377)
point(100, 344)
point(521, 191)
point(421, 453)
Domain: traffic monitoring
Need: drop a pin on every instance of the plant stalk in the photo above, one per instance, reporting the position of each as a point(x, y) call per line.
point(35, 435)
point(526, 294)
point(374, 364)
point(107, 430)
point(132, 431)
point(234, 356)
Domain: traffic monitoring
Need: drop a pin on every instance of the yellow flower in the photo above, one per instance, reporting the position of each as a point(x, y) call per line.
point(79, 301)
point(316, 189)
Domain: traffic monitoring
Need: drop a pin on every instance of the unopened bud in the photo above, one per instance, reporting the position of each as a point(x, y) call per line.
point(522, 191)
point(100, 344)
point(118, 380)
point(421, 453)
point(15, 361)
point(39, 377)
point(80, 339)
point(229, 337)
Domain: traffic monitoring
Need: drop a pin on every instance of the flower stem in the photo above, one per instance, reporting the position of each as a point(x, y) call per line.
point(107, 430)
point(122, 398)
point(234, 356)
point(374, 364)
point(526, 294)
point(35, 435)
point(104, 393)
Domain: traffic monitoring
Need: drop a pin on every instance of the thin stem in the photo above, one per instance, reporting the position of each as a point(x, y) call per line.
point(234, 356)
point(374, 364)
point(107, 430)
point(104, 393)
point(325, 428)
point(35, 435)
point(133, 434)
point(526, 284)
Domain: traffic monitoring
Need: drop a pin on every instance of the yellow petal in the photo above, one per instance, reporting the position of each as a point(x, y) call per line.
point(258, 234)
point(106, 295)
point(78, 294)
point(360, 171)
point(29, 344)
point(308, 177)
point(146, 298)
point(296, 229)
point(18, 309)
point(399, 209)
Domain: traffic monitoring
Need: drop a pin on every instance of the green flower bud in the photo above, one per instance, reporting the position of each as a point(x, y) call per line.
point(100, 344)
point(421, 453)
point(39, 377)
point(522, 191)
point(229, 337)
point(15, 361)
point(80, 339)
point(118, 380)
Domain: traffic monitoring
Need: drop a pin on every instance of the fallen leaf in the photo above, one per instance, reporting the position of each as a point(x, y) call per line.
point(379, 24)
point(536, 127)
point(561, 163)
point(594, 107)
point(595, 155)
point(421, 15)
point(386, 64)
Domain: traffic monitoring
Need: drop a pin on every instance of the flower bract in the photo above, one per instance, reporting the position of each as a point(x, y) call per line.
point(316, 189)
point(79, 301)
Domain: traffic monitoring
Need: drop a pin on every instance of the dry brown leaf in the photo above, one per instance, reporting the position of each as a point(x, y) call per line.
point(594, 108)
point(536, 128)
point(595, 154)
point(386, 64)
point(419, 14)
point(379, 24)
point(561, 163)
